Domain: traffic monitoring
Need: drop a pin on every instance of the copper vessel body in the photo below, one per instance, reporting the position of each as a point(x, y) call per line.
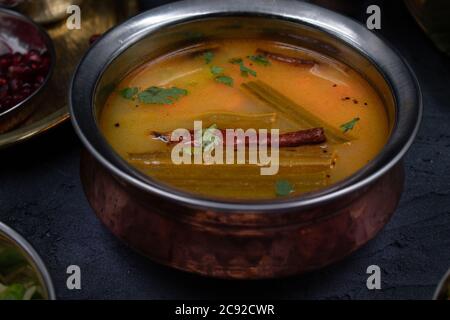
point(238, 244)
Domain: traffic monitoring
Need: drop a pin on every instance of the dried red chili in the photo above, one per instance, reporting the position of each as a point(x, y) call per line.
point(286, 140)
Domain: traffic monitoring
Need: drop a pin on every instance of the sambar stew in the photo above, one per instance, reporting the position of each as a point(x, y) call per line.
point(331, 121)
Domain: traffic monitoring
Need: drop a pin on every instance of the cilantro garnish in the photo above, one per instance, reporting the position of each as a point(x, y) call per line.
point(349, 125)
point(283, 188)
point(208, 56)
point(219, 76)
point(235, 60)
point(157, 95)
point(129, 93)
point(226, 80)
point(260, 59)
point(245, 71)
point(215, 70)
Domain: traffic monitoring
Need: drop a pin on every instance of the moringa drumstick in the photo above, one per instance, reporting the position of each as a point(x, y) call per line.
point(292, 110)
point(286, 59)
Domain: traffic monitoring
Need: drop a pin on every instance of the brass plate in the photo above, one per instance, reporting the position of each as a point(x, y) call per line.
point(70, 45)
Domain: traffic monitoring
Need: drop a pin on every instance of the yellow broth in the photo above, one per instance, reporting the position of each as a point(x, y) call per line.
point(328, 89)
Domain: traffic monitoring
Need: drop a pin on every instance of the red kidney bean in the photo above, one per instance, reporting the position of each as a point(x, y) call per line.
point(21, 75)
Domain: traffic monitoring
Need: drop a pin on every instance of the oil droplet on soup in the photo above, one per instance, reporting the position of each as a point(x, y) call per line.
point(247, 84)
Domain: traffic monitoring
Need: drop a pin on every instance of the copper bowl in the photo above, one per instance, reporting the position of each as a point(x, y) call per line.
point(246, 239)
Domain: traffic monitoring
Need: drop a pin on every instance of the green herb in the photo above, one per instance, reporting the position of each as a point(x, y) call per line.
point(215, 70)
point(208, 56)
point(226, 80)
point(235, 60)
point(129, 93)
point(349, 125)
point(156, 95)
point(245, 71)
point(260, 59)
point(13, 292)
point(219, 76)
point(283, 188)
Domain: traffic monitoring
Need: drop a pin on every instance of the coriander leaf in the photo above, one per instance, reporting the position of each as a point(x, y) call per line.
point(349, 125)
point(129, 93)
point(215, 70)
point(260, 59)
point(220, 77)
point(156, 95)
point(226, 80)
point(208, 56)
point(283, 188)
point(235, 61)
point(245, 71)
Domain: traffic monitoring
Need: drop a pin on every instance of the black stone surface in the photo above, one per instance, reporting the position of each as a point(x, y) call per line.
point(42, 198)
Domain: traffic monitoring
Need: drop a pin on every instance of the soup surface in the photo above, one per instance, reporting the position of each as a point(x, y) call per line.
point(247, 84)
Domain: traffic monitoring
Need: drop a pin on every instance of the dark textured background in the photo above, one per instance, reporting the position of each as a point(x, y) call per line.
point(41, 197)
